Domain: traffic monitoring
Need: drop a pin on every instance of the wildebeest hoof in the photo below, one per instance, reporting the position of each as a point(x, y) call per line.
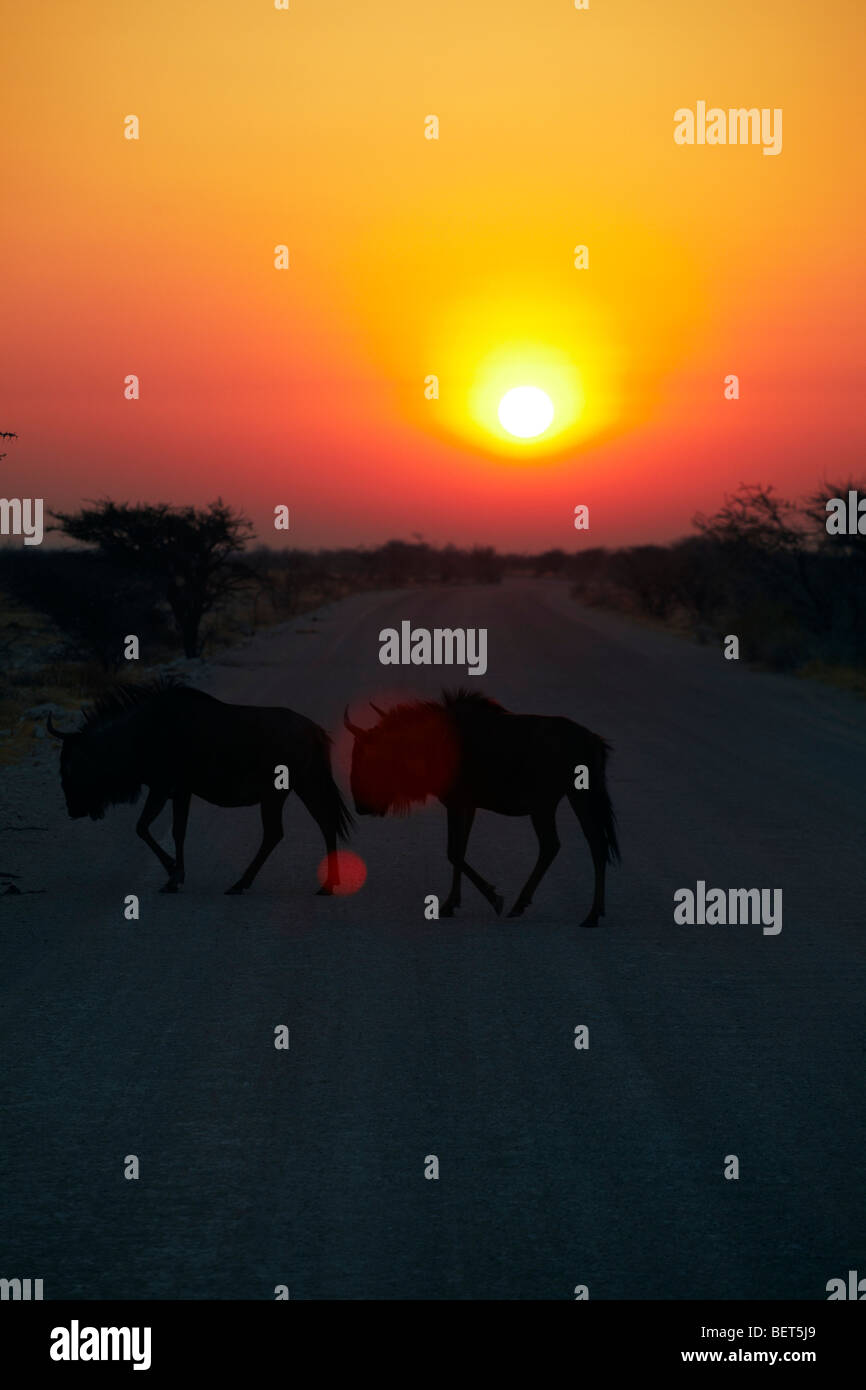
point(591, 921)
point(236, 889)
point(497, 902)
point(518, 909)
point(170, 887)
point(447, 910)
point(326, 891)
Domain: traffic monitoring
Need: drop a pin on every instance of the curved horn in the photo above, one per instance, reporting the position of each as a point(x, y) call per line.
point(380, 712)
point(53, 731)
point(353, 728)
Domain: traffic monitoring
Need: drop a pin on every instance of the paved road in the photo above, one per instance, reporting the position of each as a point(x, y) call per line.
point(558, 1167)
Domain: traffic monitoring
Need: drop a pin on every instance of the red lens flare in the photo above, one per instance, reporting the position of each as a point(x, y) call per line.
point(348, 868)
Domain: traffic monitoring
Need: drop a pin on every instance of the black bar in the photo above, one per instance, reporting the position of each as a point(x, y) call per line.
point(228, 1338)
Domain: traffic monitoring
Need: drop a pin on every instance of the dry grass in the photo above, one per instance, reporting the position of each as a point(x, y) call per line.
point(43, 679)
point(266, 609)
point(68, 684)
point(850, 678)
point(682, 624)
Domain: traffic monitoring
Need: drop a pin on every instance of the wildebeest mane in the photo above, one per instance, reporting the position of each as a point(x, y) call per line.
point(453, 701)
point(121, 698)
point(471, 701)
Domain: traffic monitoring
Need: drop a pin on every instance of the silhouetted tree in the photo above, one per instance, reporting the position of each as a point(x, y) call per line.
point(762, 566)
point(815, 509)
point(192, 551)
point(755, 515)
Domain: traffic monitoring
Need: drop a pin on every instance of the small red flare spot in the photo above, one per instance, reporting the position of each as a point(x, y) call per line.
point(344, 871)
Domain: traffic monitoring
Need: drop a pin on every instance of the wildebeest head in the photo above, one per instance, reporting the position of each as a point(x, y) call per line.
point(411, 754)
point(89, 774)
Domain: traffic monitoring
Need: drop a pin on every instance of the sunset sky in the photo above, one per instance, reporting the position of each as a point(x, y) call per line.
point(412, 257)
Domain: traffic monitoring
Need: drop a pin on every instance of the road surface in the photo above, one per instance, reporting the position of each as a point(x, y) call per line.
point(558, 1167)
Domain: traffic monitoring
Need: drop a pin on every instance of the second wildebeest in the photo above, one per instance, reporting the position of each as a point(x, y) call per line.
point(179, 743)
point(472, 754)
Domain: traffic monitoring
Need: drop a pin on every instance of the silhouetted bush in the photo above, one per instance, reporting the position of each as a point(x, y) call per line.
point(762, 567)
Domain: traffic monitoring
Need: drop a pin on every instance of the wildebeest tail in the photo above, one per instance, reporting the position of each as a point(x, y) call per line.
point(606, 811)
point(593, 806)
point(344, 818)
point(340, 815)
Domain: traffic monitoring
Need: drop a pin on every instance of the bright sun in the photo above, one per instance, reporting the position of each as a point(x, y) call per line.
point(525, 411)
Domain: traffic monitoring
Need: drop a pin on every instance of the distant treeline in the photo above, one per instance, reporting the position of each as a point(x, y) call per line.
point(189, 577)
point(391, 565)
point(762, 567)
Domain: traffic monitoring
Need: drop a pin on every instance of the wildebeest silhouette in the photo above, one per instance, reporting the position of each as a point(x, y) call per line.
point(472, 754)
point(179, 743)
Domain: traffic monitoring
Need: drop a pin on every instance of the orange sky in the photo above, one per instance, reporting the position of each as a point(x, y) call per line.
point(412, 257)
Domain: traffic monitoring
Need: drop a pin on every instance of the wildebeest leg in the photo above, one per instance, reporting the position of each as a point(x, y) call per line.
point(496, 900)
point(151, 809)
point(180, 813)
point(544, 824)
point(591, 828)
point(272, 833)
point(459, 826)
point(323, 815)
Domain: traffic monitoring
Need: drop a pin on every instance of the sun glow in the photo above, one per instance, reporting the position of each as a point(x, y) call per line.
point(523, 378)
point(521, 417)
point(525, 411)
